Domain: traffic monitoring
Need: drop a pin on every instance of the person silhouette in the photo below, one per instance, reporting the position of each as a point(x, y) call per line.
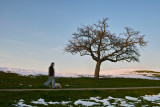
point(51, 76)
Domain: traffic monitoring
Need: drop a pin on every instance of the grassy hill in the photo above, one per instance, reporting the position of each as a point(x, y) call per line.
point(15, 81)
point(12, 80)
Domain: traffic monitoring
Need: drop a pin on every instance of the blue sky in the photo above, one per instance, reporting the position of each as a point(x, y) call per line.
point(33, 33)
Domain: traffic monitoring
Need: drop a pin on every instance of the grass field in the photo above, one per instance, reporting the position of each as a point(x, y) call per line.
point(15, 81)
point(10, 98)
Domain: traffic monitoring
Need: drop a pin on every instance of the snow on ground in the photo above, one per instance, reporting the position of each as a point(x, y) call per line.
point(41, 101)
point(22, 71)
point(21, 104)
point(85, 103)
point(36, 72)
point(30, 85)
point(127, 73)
point(131, 98)
point(152, 97)
point(128, 101)
point(121, 73)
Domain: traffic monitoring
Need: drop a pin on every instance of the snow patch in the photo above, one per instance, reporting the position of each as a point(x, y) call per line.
point(21, 104)
point(104, 101)
point(131, 98)
point(152, 97)
point(121, 73)
point(85, 103)
point(128, 101)
point(30, 85)
point(41, 101)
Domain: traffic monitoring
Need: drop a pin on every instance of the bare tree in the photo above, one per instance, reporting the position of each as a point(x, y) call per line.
point(98, 42)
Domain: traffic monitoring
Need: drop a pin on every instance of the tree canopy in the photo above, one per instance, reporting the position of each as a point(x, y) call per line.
point(97, 41)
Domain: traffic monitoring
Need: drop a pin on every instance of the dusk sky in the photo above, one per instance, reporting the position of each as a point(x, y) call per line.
point(33, 33)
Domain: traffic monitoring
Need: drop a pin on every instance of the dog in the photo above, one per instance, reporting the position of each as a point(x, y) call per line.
point(58, 85)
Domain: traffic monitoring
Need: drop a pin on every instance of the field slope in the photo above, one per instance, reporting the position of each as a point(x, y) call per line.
point(136, 97)
point(15, 81)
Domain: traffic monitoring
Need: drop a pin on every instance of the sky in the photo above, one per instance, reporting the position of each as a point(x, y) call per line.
point(33, 33)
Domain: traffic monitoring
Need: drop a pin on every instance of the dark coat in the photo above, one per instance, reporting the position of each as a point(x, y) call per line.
point(51, 71)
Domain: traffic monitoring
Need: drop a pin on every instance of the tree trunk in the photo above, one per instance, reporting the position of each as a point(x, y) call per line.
point(97, 69)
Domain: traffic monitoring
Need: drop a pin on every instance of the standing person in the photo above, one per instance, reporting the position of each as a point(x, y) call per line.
point(51, 77)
